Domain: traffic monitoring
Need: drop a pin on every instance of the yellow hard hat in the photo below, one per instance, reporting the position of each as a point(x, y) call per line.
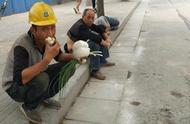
point(41, 14)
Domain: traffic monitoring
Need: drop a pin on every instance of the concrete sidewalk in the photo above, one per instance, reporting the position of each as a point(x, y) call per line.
point(13, 26)
point(102, 102)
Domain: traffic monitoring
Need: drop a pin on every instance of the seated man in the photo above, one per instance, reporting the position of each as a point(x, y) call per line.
point(85, 30)
point(110, 22)
point(27, 77)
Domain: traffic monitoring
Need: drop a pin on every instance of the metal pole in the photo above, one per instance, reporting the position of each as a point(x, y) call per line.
point(100, 5)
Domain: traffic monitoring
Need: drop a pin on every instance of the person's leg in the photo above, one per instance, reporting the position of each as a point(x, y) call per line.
point(95, 61)
point(48, 85)
point(103, 61)
point(105, 53)
point(31, 94)
point(114, 23)
point(78, 5)
point(93, 4)
point(17, 92)
point(54, 73)
point(44, 86)
point(36, 89)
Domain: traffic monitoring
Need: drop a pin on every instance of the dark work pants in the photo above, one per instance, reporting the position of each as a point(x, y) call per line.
point(96, 61)
point(114, 23)
point(41, 87)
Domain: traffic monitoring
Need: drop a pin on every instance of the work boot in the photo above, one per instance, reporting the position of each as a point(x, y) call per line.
point(107, 64)
point(31, 115)
point(98, 75)
point(50, 103)
point(95, 10)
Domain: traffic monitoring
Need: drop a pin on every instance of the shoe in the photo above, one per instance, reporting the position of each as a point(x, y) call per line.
point(95, 10)
point(75, 10)
point(49, 103)
point(31, 115)
point(98, 75)
point(107, 64)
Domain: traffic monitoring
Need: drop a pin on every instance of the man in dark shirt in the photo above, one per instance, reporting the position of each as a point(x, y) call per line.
point(27, 77)
point(85, 30)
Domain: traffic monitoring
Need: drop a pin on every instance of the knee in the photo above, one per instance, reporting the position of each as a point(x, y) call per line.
point(93, 46)
point(116, 23)
point(42, 81)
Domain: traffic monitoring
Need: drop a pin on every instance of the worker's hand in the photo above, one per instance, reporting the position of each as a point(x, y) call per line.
point(81, 60)
point(51, 51)
point(108, 33)
point(105, 43)
point(109, 41)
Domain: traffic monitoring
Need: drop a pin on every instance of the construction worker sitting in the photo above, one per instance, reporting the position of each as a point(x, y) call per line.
point(28, 77)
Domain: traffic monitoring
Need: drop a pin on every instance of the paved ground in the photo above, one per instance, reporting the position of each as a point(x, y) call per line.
point(148, 85)
point(158, 91)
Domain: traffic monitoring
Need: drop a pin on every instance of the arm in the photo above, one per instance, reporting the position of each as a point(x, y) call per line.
point(22, 73)
point(69, 44)
point(86, 33)
point(98, 28)
point(102, 30)
point(105, 43)
point(64, 57)
point(107, 38)
point(30, 72)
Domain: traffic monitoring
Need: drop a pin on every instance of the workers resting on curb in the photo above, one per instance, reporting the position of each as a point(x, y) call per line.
point(85, 30)
point(28, 76)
